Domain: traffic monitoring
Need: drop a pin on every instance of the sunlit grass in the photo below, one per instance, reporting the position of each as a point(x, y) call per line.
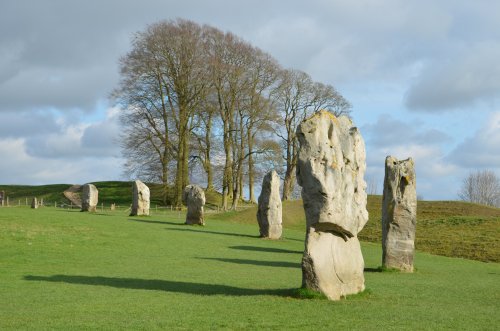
point(63, 269)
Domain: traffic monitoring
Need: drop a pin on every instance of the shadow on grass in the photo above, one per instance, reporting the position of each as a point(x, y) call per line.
point(377, 269)
point(265, 249)
point(160, 285)
point(382, 269)
point(281, 264)
point(215, 232)
point(154, 222)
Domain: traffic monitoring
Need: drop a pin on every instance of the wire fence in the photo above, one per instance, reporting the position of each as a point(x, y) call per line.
point(109, 207)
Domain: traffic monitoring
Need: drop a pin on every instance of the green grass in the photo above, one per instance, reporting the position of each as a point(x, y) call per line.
point(62, 269)
point(448, 228)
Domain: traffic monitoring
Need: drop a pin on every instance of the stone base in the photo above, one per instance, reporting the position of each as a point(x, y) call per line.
point(91, 209)
point(332, 266)
point(139, 212)
point(271, 232)
point(195, 217)
point(398, 254)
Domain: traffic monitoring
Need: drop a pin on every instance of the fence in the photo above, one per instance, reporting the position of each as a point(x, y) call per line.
point(102, 207)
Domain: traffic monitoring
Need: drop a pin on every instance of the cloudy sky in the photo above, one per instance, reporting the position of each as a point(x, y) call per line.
point(423, 77)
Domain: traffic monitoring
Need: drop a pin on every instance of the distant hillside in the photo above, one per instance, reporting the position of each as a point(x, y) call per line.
point(449, 228)
point(118, 192)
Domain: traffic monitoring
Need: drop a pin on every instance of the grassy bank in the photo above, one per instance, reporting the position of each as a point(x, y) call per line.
point(449, 228)
point(63, 269)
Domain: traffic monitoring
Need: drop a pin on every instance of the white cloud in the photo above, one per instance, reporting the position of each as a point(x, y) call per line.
point(468, 76)
point(482, 150)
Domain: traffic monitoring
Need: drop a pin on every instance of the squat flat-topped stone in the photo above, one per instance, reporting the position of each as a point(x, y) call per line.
point(140, 199)
point(194, 198)
point(90, 196)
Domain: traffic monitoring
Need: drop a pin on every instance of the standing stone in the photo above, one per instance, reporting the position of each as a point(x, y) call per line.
point(399, 214)
point(34, 203)
point(194, 198)
point(330, 169)
point(89, 198)
point(269, 213)
point(2, 197)
point(140, 199)
point(112, 206)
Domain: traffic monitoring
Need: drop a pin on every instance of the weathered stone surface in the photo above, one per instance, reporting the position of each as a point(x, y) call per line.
point(399, 214)
point(332, 265)
point(194, 198)
point(269, 212)
point(140, 199)
point(330, 168)
point(34, 203)
point(89, 197)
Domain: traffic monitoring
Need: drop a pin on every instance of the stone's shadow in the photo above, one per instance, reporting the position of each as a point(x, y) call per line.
point(154, 222)
point(377, 269)
point(281, 264)
point(160, 285)
point(265, 249)
point(215, 232)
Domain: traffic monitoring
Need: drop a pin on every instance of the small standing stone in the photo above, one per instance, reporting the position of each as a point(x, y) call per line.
point(112, 207)
point(34, 203)
point(269, 212)
point(194, 198)
point(399, 214)
point(89, 198)
point(140, 199)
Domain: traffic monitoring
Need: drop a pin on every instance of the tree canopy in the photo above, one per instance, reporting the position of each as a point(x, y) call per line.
point(197, 101)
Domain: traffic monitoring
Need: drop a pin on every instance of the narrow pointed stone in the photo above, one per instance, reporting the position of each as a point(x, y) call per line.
point(399, 214)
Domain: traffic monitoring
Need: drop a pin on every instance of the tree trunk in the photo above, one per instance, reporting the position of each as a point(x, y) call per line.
point(208, 162)
point(251, 171)
point(288, 183)
point(226, 179)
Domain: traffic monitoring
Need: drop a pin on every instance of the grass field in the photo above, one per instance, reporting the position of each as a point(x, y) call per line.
point(449, 228)
point(62, 269)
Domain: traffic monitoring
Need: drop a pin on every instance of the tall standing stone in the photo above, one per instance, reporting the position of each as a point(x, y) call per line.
point(399, 214)
point(269, 213)
point(194, 198)
point(330, 169)
point(140, 199)
point(34, 203)
point(89, 198)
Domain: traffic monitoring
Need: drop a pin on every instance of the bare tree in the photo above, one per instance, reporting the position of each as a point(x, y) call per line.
point(163, 83)
point(296, 96)
point(482, 186)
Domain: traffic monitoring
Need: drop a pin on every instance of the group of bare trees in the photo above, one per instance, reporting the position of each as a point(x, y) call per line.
point(196, 96)
point(481, 186)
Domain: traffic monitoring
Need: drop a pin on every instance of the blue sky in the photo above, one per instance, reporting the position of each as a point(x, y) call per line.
point(423, 78)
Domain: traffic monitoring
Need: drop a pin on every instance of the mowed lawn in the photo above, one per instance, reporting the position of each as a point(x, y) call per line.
point(62, 269)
